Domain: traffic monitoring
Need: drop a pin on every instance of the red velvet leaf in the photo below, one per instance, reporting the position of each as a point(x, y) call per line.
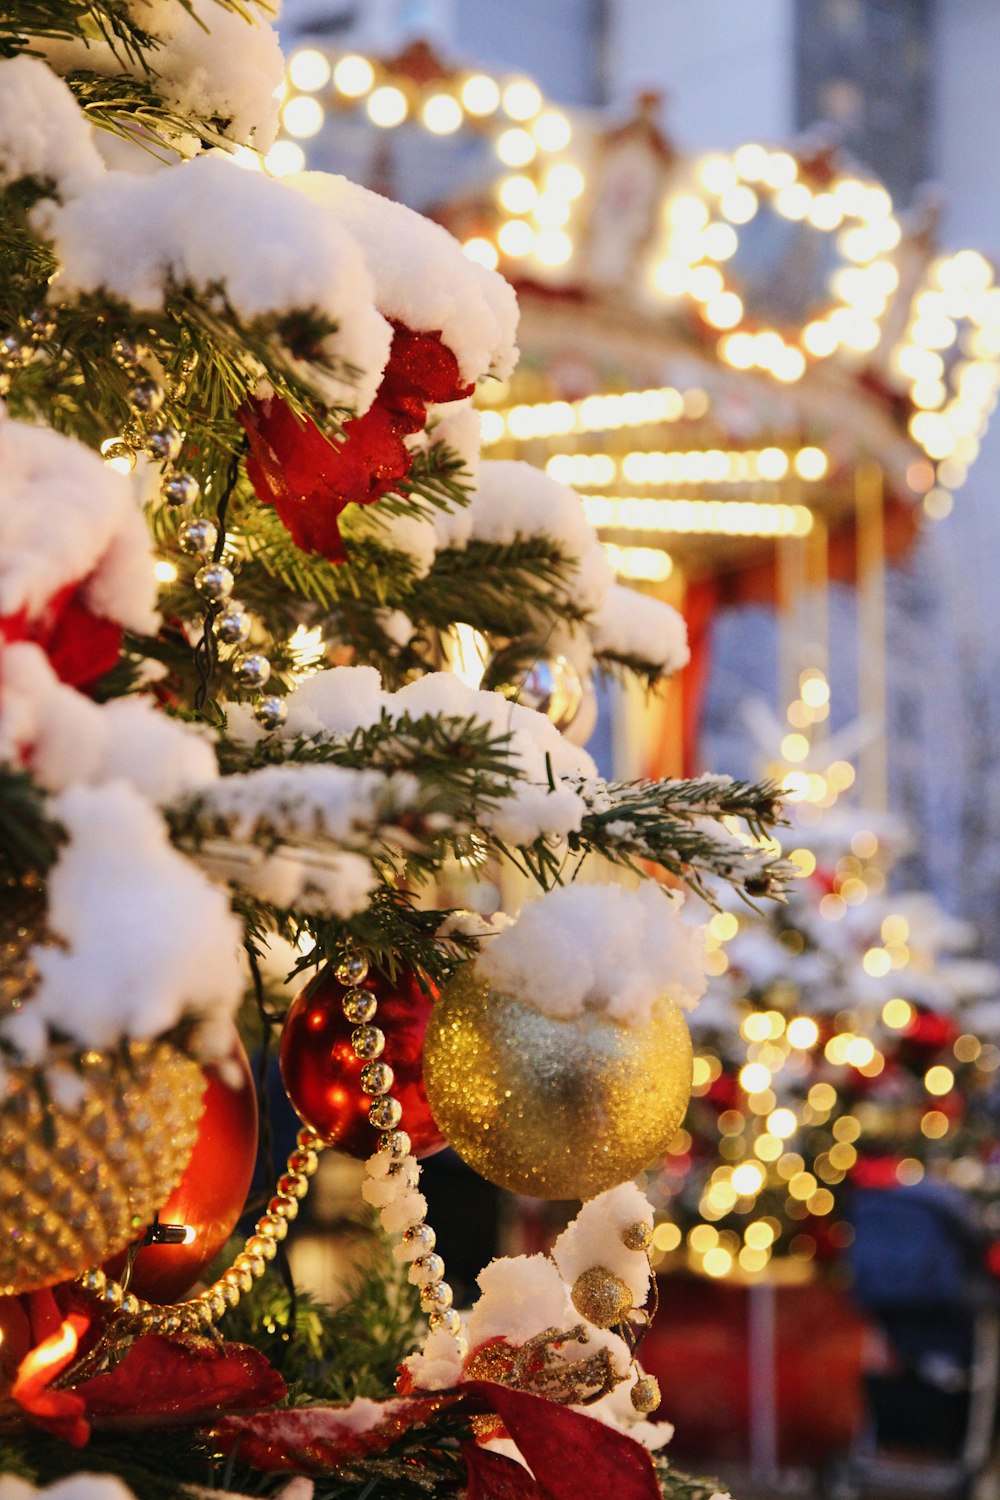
point(309, 477)
point(494, 1476)
point(571, 1454)
point(167, 1382)
point(316, 1439)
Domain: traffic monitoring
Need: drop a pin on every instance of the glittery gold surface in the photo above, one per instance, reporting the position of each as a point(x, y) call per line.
point(553, 1108)
point(89, 1149)
point(601, 1297)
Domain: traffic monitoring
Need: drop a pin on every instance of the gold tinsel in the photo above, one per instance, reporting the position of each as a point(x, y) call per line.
point(91, 1146)
point(553, 1108)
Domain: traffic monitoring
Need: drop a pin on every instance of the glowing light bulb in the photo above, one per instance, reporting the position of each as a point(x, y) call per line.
point(387, 107)
point(303, 116)
point(308, 70)
point(480, 95)
point(516, 148)
point(484, 253)
point(353, 76)
point(552, 131)
point(521, 99)
point(553, 247)
point(442, 114)
point(284, 159)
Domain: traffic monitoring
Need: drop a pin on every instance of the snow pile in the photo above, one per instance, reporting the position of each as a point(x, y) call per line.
point(222, 64)
point(306, 801)
point(596, 1238)
point(391, 1187)
point(334, 703)
point(43, 132)
point(218, 63)
point(82, 1486)
point(65, 517)
point(520, 1296)
point(141, 938)
point(66, 739)
point(514, 501)
point(422, 276)
point(636, 626)
point(599, 947)
point(135, 237)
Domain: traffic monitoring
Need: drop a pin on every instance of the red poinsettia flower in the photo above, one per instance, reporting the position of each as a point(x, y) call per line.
point(309, 479)
point(80, 646)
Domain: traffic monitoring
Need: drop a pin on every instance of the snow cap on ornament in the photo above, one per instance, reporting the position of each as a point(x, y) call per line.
point(75, 563)
point(558, 1064)
point(452, 322)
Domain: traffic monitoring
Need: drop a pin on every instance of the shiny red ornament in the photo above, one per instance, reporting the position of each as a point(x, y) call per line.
point(323, 1077)
point(210, 1197)
point(309, 478)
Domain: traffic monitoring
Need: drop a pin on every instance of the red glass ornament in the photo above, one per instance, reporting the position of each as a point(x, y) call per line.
point(209, 1198)
point(323, 1077)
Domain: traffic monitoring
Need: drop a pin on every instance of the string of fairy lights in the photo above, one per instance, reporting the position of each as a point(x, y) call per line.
point(796, 1115)
point(946, 361)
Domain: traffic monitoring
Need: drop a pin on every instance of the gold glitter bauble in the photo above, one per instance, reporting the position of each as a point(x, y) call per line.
point(645, 1394)
point(553, 1108)
point(601, 1297)
point(90, 1147)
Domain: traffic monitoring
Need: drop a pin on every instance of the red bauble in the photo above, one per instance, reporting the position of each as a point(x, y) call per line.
point(323, 1076)
point(210, 1197)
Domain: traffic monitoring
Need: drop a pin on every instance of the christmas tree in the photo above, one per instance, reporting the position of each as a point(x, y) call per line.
point(845, 1044)
point(243, 527)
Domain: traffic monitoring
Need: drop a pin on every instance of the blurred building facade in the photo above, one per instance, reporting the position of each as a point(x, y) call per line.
point(906, 87)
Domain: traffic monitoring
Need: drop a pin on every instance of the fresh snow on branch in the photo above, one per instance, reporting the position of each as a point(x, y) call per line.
point(137, 237)
point(43, 132)
point(422, 276)
point(66, 518)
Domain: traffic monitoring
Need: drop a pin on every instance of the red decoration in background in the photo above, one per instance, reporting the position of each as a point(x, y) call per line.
point(322, 1075)
point(80, 646)
point(309, 479)
point(209, 1198)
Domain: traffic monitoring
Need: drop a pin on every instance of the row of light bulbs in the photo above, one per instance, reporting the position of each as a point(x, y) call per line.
point(700, 237)
point(694, 466)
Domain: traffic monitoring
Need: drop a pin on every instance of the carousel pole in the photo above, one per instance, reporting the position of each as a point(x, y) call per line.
point(869, 495)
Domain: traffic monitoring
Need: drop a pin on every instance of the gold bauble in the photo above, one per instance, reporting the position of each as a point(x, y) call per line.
point(553, 1108)
point(601, 1297)
point(645, 1394)
point(91, 1145)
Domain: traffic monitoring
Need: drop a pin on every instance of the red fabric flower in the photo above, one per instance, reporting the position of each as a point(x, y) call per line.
point(309, 478)
point(80, 646)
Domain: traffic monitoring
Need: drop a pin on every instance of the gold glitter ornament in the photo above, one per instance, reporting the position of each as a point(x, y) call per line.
point(645, 1394)
point(553, 1108)
point(90, 1147)
point(601, 1297)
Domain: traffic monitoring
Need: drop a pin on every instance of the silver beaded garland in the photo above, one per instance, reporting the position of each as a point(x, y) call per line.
point(145, 395)
point(271, 711)
point(385, 1112)
point(251, 669)
point(181, 489)
point(198, 536)
point(233, 625)
point(214, 581)
point(164, 444)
